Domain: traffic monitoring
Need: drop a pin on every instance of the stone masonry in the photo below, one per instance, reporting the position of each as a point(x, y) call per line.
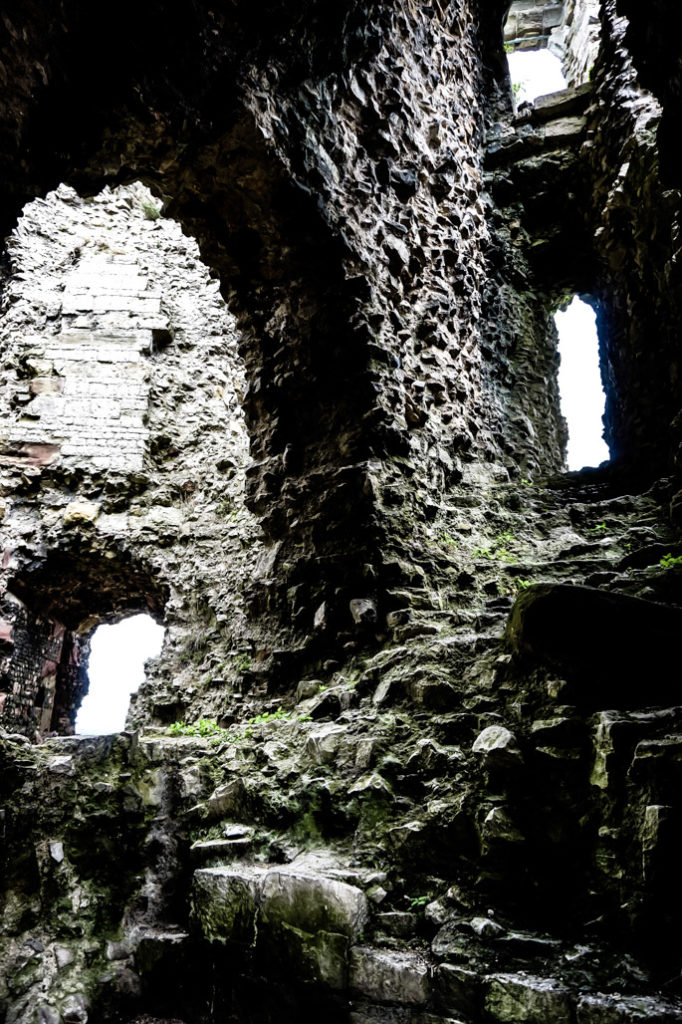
point(411, 751)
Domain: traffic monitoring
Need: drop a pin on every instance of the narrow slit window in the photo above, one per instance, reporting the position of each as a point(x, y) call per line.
point(116, 670)
point(580, 385)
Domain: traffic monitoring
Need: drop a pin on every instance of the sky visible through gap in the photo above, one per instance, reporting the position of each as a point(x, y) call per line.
point(535, 73)
point(580, 386)
point(116, 669)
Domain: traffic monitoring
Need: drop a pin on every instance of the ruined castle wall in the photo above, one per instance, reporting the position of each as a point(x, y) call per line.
point(33, 650)
point(576, 40)
point(418, 238)
point(346, 212)
point(123, 447)
point(634, 216)
point(530, 24)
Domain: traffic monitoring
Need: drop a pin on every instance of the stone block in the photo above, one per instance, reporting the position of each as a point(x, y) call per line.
point(320, 958)
point(497, 746)
point(523, 999)
point(457, 989)
point(606, 1009)
point(235, 902)
point(324, 744)
point(388, 976)
point(313, 903)
point(225, 902)
point(564, 130)
point(80, 512)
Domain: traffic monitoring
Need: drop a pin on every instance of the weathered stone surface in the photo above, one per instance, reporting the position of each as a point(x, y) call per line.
point(517, 999)
point(313, 903)
point(230, 902)
point(226, 902)
point(497, 745)
point(604, 1009)
point(389, 977)
point(457, 989)
point(341, 480)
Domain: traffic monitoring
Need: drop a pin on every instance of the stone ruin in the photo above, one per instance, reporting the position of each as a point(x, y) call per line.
point(279, 368)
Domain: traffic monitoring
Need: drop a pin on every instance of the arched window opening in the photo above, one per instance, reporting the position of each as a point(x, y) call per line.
point(118, 653)
point(580, 385)
point(122, 409)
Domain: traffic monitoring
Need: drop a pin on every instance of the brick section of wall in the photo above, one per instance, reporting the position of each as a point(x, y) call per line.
point(31, 654)
point(90, 392)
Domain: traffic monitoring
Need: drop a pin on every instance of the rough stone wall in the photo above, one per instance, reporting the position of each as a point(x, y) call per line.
point(456, 798)
point(36, 657)
point(124, 483)
point(634, 218)
point(331, 415)
point(576, 40)
point(530, 23)
point(418, 244)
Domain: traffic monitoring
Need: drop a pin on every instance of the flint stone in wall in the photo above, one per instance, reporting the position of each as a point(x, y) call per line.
point(497, 745)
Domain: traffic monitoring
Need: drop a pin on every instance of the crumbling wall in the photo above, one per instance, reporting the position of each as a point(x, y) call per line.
point(124, 484)
point(401, 798)
point(41, 682)
point(634, 216)
point(530, 24)
point(576, 40)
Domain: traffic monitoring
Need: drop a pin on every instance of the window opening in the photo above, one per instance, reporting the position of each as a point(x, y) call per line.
point(116, 670)
point(580, 385)
point(534, 73)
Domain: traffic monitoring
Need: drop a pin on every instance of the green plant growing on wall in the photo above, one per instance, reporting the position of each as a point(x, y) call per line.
point(242, 663)
point(417, 903)
point(150, 211)
point(520, 585)
point(269, 716)
point(204, 728)
point(498, 551)
point(671, 561)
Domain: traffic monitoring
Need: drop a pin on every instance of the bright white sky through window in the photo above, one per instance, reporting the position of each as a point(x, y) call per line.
point(536, 72)
point(116, 669)
point(580, 387)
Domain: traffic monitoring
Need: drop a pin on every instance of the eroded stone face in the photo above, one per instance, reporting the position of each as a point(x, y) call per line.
point(377, 806)
point(103, 335)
